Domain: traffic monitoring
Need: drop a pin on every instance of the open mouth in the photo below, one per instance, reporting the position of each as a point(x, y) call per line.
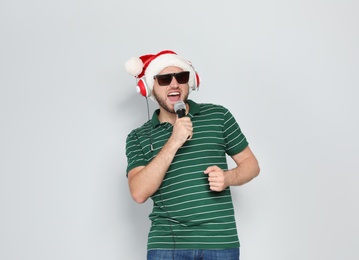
point(174, 96)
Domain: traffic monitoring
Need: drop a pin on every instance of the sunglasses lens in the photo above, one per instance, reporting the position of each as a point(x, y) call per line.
point(165, 79)
point(182, 77)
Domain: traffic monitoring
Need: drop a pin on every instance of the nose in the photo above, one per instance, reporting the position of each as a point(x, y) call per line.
point(174, 82)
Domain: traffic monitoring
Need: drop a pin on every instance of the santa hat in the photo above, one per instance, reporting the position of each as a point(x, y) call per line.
point(149, 65)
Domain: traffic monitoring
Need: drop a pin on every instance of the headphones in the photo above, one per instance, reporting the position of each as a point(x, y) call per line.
point(142, 88)
point(145, 91)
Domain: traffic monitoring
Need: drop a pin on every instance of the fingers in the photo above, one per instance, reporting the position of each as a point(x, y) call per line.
point(183, 129)
point(216, 178)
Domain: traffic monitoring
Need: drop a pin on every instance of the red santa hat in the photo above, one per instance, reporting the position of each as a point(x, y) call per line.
point(149, 65)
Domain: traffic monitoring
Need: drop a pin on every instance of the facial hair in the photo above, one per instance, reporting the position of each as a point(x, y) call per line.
point(162, 102)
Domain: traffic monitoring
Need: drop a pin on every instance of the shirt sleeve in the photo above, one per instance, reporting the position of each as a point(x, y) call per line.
point(134, 153)
point(234, 138)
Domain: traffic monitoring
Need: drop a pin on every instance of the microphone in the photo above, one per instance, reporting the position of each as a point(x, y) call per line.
point(180, 109)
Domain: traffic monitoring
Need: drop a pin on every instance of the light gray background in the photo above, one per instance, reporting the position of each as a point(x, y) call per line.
point(288, 71)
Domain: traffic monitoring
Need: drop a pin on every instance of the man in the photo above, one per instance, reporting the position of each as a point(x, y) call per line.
point(180, 163)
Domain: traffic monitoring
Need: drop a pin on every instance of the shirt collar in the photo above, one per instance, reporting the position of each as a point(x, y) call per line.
point(194, 108)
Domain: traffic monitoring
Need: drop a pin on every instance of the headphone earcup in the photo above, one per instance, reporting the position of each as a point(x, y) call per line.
point(197, 81)
point(142, 87)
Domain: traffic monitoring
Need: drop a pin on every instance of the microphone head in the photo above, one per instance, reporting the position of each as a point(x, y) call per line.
point(179, 106)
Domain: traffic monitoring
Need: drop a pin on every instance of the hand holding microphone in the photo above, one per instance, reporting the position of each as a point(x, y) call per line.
point(184, 124)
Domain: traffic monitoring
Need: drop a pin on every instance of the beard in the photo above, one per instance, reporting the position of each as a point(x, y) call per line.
point(162, 102)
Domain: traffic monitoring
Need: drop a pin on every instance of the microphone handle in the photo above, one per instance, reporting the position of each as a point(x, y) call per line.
point(181, 113)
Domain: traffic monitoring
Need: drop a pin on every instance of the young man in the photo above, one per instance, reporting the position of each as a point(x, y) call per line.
point(180, 163)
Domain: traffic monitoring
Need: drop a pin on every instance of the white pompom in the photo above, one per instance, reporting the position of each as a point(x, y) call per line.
point(134, 66)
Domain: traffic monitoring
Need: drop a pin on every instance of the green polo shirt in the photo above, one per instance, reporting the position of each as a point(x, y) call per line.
point(186, 213)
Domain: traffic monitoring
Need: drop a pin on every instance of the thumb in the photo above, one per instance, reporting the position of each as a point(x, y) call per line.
point(210, 169)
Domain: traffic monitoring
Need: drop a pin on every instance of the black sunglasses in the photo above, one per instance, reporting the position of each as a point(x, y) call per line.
point(165, 79)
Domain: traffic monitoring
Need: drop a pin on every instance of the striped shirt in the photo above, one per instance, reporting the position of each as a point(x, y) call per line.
point(186, 213)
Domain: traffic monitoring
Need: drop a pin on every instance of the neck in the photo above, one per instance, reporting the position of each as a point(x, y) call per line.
point(165, 116)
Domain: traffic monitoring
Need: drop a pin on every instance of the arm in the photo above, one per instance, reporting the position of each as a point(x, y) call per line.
point(247, 168)
point(145, 180)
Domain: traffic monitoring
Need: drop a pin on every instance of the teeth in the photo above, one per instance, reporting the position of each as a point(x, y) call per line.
point(173, 94)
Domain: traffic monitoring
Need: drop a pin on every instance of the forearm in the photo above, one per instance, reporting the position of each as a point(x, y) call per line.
point(146, 181)
point(247, 170)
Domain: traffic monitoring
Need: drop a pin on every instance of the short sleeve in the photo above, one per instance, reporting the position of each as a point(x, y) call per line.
point(234, 138)
point(135, 156)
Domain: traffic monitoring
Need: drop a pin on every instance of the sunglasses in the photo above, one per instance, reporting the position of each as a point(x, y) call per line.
point(166, 79)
